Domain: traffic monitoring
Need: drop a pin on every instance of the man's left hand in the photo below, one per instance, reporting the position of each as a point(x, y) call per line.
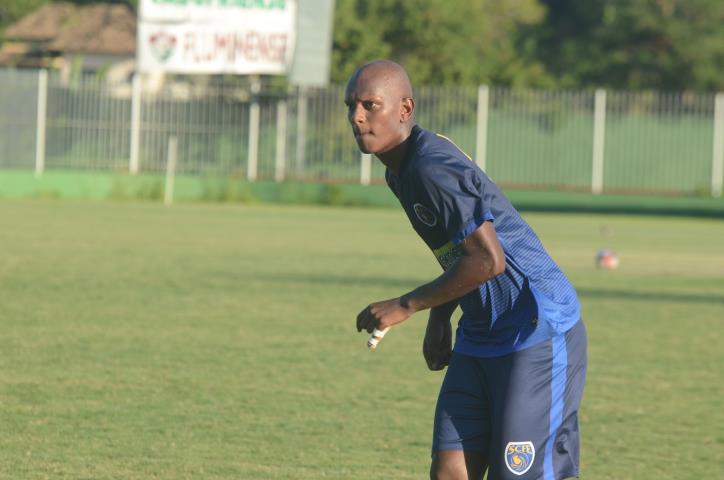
point(382, 315)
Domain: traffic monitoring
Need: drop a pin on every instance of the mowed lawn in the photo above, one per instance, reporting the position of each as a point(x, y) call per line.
point(218, 341)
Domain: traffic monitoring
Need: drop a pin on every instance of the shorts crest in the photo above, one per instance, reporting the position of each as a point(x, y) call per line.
point(519, 456)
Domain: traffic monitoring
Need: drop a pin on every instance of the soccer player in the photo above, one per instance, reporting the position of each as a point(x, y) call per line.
point(509, 401)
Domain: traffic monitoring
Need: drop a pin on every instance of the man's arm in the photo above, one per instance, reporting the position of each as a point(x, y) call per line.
point(481, 259)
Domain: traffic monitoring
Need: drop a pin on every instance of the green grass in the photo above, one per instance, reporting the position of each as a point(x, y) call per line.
point(218, 341)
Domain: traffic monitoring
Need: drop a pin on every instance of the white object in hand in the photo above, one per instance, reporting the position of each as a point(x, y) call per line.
point(376, 337)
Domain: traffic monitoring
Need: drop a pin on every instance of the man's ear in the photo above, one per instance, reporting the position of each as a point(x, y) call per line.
point(407, 108)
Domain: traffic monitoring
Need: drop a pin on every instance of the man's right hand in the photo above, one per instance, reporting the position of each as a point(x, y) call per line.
point(437, 346)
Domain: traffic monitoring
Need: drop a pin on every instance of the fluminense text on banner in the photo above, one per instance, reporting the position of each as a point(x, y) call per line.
point(216, 36)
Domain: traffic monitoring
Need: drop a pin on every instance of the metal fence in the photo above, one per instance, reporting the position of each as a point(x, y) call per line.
point(580, 140)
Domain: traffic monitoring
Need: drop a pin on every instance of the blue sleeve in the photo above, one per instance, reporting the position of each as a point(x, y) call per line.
point(456, 190)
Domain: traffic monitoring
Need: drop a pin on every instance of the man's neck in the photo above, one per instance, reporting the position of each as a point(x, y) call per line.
point(395, 157)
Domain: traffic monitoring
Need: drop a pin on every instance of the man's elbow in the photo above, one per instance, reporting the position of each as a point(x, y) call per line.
point(498, 265)
point(492, 267)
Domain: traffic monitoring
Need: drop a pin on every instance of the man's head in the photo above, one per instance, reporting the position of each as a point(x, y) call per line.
point(379, 106)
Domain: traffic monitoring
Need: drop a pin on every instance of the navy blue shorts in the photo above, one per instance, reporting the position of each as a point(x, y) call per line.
point(519, 410)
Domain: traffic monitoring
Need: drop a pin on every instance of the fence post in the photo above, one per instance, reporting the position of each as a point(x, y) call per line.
point(281, 146)
point(599, 135)
point(301, 129)
point(41, 119)
point(481, 139)
point(135, 122)
point(170, 169)
point(717, 162)
point(253, 152)
point(365, 171)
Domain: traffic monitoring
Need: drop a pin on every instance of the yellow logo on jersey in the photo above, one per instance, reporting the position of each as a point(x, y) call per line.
point(447, 254)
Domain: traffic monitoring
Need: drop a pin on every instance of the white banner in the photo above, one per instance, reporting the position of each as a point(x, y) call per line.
point(216, 36)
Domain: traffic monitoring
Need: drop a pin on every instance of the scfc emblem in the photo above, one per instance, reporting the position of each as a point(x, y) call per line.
point(519, 457)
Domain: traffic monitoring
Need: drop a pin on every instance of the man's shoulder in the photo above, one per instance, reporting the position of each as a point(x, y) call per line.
point(435, 155)
point(429, 143)
point(431, 146)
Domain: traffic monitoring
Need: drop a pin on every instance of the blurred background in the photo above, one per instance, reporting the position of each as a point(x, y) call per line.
point(188, 231)
point(600, 96)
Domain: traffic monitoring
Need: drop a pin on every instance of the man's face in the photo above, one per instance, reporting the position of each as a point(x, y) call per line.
point(373, 114)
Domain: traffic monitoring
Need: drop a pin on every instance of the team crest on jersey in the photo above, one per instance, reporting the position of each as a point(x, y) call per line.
point(425, 215)
point(519, 457)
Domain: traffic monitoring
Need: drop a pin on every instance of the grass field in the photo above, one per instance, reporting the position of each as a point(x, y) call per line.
point(218, 341)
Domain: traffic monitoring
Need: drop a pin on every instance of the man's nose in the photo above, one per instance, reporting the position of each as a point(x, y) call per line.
point(357, 115)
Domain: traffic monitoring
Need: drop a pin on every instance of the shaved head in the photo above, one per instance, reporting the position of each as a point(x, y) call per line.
point(389, 75)
point(380, 106)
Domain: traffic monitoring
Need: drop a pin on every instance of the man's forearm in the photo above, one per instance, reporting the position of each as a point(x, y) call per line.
point(463, 276)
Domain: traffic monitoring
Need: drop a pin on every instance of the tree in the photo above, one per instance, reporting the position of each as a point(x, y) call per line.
point(438, 41)
point(635, 44)
point(12, 10)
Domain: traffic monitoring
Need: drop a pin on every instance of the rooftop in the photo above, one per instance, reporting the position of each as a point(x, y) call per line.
point(100, 28)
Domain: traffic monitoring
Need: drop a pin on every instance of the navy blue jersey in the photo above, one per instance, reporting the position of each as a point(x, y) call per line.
point(447, 197)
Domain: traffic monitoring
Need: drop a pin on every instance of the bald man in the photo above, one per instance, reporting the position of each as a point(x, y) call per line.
point(509, 402)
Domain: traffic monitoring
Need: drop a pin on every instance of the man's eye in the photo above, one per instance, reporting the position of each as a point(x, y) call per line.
point(368, 105)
